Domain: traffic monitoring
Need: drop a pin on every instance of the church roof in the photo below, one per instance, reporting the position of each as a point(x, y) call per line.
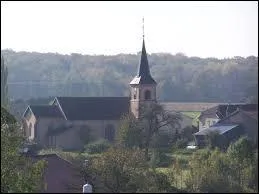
point(46, 111)
point(143, 76)
point(93, 108)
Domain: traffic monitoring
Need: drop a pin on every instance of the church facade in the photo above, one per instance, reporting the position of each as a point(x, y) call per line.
point(67, 120)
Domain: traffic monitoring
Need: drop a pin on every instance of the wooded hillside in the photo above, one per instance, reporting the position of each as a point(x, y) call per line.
point(180, 78)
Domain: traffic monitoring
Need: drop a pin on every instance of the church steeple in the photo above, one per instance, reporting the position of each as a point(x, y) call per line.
point(143, 74)
point(143, 86)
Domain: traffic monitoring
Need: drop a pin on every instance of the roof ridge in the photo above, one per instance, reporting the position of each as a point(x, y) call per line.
point(231, 114)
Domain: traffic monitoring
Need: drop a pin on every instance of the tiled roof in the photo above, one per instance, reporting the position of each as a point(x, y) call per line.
point(46, 111)
point(94, 108)
point(187, 106)
point(234, 119)
point(222, 110)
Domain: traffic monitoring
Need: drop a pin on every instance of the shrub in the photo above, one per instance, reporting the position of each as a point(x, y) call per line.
point(160, 159)
point(98, 146)
point(180, 144)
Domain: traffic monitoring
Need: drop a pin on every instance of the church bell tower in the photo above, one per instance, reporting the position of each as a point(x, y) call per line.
point(143, 86)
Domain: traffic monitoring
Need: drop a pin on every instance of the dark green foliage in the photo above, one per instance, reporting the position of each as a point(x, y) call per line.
point(213, 139)
point(217, 171)
point(241, 150)
point(159, 159)
point(143, 132)
point(129, 133)
point(18, 173)
point(179, 78)
point(122, 170)
point(4, 86)
point(162, 141)
point(98, 146)
point(180, 143)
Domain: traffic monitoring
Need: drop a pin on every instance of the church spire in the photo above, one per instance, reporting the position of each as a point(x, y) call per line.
point(143, 28)
point(143, 74)
point(143, 86)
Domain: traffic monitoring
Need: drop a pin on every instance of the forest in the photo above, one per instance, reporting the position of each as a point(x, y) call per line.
point(180, 78)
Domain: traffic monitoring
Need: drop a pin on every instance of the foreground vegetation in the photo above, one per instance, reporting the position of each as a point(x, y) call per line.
point(18, 173)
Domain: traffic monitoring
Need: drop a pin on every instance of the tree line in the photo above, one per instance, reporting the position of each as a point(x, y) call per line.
point(179, 77)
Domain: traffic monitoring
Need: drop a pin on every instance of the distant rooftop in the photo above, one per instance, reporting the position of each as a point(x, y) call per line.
point(220, 128)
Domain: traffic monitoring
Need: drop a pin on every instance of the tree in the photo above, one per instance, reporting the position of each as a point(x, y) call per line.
point(213, 139)
point(243, 162)
point(217, 171)
point(141, 132)
point(129, 134)
point(4, 87)
point(124, 170)
point(154, 118)
point(18, 173)
point(209, 172)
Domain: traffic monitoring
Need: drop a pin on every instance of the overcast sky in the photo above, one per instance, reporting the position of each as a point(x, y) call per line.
point(203, 29)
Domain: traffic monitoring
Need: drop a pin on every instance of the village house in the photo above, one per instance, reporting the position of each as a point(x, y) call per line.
point(67, 120)
point(243, 121)
point(212, 115)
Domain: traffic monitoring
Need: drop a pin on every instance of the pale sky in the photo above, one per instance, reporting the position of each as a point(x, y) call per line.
point(204, 29)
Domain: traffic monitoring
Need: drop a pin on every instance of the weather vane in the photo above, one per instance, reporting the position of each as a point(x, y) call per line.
point(143, 27)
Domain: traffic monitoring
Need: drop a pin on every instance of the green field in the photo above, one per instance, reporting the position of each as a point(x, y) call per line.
point(193, 115)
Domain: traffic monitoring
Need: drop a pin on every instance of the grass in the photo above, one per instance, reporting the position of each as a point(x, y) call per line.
point(193, 115)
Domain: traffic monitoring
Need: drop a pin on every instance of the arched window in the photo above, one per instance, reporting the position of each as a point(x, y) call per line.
point(147, 95)
point(30, 128)
point(109, 132)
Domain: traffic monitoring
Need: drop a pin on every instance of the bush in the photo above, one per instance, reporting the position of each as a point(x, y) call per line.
point(180, 144)
point(97, 146)
point(160, 159)
point(161, 141)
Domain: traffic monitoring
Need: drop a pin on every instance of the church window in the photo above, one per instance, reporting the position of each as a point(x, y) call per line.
point(30, 128)
point(109, 132)
point(135, 93)
point(147, 95)
point(52, 140)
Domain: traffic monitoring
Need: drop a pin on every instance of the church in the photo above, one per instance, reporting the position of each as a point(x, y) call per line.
point(67, 120)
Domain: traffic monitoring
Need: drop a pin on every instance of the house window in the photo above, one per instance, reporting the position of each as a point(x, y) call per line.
point(147, 95)
point(134, 96)
point(109, 132)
